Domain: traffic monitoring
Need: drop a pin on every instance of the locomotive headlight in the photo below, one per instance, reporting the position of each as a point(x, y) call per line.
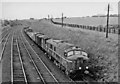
point(86, 67)
point(80, 68)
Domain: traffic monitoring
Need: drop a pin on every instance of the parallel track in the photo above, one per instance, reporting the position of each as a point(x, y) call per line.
point(34, 64)
point(17, 67)
point(3, 37)
point(4, 45)
point(44, 73)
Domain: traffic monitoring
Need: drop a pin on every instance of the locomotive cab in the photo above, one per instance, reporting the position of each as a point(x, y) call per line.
point(79, 60)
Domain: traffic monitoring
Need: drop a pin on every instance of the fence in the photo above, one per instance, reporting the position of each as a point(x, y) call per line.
point(100, 29)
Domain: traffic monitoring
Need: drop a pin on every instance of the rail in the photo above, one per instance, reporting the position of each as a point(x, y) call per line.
point(17, 67)
point(3, 49)
point(40, 59)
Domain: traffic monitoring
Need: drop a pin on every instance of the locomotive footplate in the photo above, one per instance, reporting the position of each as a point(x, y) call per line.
point(78, 73)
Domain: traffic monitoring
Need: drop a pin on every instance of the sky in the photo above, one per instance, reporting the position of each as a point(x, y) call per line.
point(25, 9)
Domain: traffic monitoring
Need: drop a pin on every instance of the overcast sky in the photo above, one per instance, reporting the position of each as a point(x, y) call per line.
point(22, 9)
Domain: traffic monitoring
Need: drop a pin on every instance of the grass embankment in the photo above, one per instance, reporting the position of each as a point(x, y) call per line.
point(104, 51)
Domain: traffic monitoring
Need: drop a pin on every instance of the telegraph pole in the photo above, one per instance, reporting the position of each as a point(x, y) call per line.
point(51, 18)
point(62, 19)
point(107, 21)
point(48, 17)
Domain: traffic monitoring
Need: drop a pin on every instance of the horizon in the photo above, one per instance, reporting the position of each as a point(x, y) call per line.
point(38, 10)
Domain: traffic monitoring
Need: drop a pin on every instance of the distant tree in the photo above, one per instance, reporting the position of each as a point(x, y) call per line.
point(65, 17)
point(31, 18)
point(87, 16)
point(12, 23)
point(94, 16)
point(113, 15)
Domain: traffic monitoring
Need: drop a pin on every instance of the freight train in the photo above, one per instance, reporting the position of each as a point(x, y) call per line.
point(69, 58)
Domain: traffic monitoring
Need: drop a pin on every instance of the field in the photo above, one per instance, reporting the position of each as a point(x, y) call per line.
point(104, 51)
point(92, 21)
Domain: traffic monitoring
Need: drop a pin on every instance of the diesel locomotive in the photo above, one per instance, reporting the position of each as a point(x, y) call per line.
point(69, 58)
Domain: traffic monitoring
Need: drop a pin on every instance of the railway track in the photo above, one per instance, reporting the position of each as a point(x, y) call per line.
point(42, 70)
point(3, 37)
point(34, 64)
point(4, 44)
point(18, 73)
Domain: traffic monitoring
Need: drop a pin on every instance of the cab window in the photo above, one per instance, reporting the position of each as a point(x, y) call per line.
point(77, 52)
point(84, 53)
point(50, 46)
point(70, 53)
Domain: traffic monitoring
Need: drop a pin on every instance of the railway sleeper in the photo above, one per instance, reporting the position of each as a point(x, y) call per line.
point(15, 53)
point(18, 80)
point(14, 44)
point(17, 65)
point(18, 71)
point(16, 60)
point(18, 75)
point(15, 49)
point(14, 41)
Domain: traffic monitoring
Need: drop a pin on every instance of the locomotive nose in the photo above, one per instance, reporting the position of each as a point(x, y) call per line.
point(81, 64)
